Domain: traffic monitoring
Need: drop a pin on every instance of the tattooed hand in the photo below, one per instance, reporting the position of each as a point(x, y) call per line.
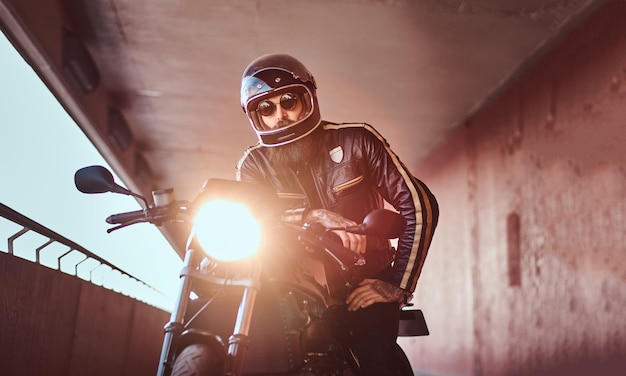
point(354, 242)
point(372, 291)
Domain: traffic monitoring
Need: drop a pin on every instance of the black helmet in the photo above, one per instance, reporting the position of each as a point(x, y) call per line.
point(272, 75)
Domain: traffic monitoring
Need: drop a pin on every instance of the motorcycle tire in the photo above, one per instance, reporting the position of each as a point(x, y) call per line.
point(198, 360)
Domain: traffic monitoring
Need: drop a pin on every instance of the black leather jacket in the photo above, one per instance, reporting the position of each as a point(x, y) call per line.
point(352, 175)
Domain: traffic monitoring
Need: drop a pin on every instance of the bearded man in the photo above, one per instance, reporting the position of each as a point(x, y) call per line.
point(335, 174)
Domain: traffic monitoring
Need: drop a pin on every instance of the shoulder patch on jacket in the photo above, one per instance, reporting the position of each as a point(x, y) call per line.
point(336, 154)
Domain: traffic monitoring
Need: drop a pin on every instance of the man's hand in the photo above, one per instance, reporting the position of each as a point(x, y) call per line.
point(372, 291)
point(354, 242)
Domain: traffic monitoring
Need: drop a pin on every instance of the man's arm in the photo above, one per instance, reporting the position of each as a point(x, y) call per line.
point(354, 242)
point(412, 199)
point(372, 291)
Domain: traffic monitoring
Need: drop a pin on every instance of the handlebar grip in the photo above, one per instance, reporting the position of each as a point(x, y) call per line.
point(330, 243)
point(126, 217)
point(339, 252)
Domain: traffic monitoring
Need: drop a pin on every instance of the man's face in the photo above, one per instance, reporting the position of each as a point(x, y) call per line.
point(280, 110)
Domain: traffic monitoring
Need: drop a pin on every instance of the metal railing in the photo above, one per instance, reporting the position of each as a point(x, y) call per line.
point(101, 272)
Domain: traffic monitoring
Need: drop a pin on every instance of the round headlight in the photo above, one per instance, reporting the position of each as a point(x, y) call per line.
point(227, 231)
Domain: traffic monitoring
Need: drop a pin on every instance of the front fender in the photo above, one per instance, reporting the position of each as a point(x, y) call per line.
point(191, 336)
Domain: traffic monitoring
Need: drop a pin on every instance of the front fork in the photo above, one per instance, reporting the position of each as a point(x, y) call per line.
point(238, 342)
point(175, 326)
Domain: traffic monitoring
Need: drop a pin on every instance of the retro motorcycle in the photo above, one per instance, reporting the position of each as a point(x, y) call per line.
point(257, 295)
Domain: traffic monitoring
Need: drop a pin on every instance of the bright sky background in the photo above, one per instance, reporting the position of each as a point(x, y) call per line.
point(41, 148)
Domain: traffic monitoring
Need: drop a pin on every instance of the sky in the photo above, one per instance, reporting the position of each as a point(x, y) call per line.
point(41, 148)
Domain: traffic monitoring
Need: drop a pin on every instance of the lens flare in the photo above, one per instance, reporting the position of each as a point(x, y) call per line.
point(227, 231)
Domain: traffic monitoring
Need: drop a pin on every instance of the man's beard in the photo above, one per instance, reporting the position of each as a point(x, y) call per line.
point(295, 152)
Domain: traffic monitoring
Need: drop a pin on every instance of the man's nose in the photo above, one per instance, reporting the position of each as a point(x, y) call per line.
point(280, 112)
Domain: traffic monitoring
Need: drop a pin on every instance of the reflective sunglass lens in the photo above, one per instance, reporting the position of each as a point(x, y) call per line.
point(288, 101)
point(266, 108)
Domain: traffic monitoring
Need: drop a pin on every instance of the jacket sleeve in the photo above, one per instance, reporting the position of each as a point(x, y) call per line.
point(411, 198)
point(245, 169)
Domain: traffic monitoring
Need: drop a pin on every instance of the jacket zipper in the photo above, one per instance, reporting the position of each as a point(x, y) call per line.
point(347, 184)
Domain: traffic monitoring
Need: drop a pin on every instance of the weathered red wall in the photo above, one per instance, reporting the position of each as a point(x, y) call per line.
point(52, 323)
point(545, 295)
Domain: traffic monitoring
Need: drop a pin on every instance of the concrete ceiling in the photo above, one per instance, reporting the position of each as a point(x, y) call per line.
point(413, 69)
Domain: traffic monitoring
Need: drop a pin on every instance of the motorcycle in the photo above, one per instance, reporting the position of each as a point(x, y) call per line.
point(257, 295)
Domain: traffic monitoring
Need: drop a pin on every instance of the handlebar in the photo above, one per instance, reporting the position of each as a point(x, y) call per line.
point(155, 215)
point(126, 217)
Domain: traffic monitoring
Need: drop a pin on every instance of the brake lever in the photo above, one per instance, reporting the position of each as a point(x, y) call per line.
point(156, 215)
point(134, 222)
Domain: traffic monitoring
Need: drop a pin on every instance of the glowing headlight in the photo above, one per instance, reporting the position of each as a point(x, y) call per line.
point(227, 231)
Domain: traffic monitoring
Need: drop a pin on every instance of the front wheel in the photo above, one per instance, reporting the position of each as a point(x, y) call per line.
point(198, 360)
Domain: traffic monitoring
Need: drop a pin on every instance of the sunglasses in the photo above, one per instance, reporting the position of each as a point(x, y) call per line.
point(288, 101)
